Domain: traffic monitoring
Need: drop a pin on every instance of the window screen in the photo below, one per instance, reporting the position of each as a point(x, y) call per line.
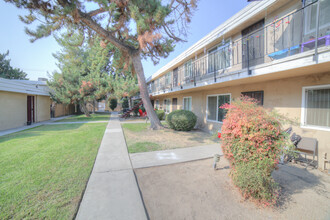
point(317, 111)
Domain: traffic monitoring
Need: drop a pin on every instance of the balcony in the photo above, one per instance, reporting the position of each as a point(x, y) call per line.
point(288, 36)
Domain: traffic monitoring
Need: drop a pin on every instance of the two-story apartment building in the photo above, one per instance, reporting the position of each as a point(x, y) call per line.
point(277, 51)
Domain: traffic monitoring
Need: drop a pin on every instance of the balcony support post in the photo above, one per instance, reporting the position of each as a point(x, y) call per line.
point(248, 56)
point(214, 72)
point(316, 57)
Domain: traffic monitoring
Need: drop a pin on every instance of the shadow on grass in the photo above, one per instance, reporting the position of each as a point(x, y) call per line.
point(103, 113)
point(293, 180)
point(38, 131)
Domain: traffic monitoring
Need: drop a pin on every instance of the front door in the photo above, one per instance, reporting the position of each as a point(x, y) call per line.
point(30, 109)
point(174, 104)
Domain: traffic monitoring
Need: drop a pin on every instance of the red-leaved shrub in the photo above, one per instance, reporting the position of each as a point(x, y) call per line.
point(253, 141)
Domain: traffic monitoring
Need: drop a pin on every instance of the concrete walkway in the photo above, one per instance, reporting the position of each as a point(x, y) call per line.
point(159, 158)
point(51, 121)
point(112, 191)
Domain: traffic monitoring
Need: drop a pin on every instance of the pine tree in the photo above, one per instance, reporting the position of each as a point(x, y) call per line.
point(9, 72)
point(83, 76)
point(113, 104)
point(153, 34)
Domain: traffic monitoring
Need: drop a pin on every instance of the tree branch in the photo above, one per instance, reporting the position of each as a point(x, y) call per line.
point(96, 12)
point(87, 20)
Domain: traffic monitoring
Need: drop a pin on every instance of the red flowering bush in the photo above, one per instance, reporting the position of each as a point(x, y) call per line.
point(252, 140)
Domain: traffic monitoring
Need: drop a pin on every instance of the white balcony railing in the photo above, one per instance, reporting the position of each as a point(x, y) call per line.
point(296, 33)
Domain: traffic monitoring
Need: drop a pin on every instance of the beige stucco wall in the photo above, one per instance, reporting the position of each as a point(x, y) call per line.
point(13, 111)
point(284, 95)
point(42, 108)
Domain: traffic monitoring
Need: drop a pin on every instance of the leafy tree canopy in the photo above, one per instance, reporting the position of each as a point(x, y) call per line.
point(9, 72)
point(135, 29)
point(86, 74)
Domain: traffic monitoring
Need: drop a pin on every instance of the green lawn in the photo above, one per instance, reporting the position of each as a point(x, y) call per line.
point(136, 127)
point(94, 117)
point(44, 170)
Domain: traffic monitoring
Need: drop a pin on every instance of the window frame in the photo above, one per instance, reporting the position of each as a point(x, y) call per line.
point(304, 108)
point(157, 104)
point(216, 48)
point(184, 102)
point(307, 18)
point(217, 113)
point(168, 78)
point(261, 91)
point(169, 110)
point(188, 72)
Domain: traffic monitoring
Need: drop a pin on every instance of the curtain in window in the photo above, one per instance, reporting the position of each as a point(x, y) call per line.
point(212, 108)
point(188, 70)
point(318, 107)
point(167, 103)
point(324, 17)
point(187, 104)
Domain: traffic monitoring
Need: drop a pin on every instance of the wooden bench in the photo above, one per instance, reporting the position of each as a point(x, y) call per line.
point(307, 146)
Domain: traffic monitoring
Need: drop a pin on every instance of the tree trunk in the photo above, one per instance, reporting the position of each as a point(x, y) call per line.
point(94, 103)
point(84, 109)
point(135, 55)
point(154, 120)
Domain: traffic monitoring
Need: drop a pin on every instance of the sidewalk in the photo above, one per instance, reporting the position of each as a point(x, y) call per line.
point(112, 191)
point(166, 157)
point(13, 130)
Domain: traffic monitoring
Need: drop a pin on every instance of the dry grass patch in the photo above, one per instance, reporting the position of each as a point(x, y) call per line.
point(140, 139)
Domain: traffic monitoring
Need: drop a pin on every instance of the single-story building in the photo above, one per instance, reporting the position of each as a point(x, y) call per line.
point(24, 102)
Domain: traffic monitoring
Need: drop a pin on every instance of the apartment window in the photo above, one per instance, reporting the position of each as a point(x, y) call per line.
point(167, 105)
point(214, 113)
point(157, 84)
point(188, 70)
point(219, 57)
point(316, 107)
point(310, 15)
point(187, 101)
point(168, 78)
point(257, 95)
point(157, 104)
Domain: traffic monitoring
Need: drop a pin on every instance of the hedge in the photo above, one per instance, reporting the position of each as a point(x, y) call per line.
point(181, 120)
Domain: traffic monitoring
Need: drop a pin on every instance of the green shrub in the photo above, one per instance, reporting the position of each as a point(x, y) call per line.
point(181, 120)
point(160, 114)
point(253, 140)
point(113, 104)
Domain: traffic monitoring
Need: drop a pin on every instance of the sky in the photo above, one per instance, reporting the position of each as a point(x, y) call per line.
point(36, 58)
